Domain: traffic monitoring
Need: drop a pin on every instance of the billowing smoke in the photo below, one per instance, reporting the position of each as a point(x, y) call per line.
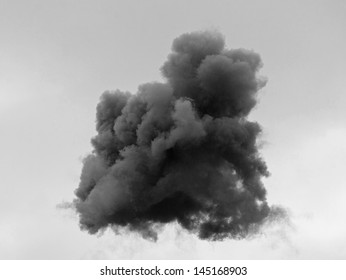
point(181, 151)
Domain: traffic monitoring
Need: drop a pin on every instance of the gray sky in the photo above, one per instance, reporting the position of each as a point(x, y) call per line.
point(57, 57)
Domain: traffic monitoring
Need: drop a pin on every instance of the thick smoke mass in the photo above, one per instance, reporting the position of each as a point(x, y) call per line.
point(181, 151)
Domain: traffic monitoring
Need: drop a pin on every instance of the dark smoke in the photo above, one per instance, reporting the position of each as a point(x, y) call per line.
point(180, 151)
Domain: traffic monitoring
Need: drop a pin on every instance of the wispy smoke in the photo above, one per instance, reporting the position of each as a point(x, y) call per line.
point(180, 151)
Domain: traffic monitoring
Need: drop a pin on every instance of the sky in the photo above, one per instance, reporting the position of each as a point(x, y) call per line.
point(57, 57)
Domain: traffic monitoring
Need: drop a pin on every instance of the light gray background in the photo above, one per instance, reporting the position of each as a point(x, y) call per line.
point(57, 57)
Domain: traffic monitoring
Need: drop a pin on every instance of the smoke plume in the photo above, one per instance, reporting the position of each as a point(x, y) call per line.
point(181, 151)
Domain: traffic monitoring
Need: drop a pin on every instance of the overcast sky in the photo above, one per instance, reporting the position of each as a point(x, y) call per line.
point(57, 57)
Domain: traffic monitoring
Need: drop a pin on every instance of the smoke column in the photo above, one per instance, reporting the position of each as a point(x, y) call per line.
point(181, 151)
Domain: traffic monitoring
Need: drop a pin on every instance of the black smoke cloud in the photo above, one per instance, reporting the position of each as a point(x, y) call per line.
point(181, 151)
